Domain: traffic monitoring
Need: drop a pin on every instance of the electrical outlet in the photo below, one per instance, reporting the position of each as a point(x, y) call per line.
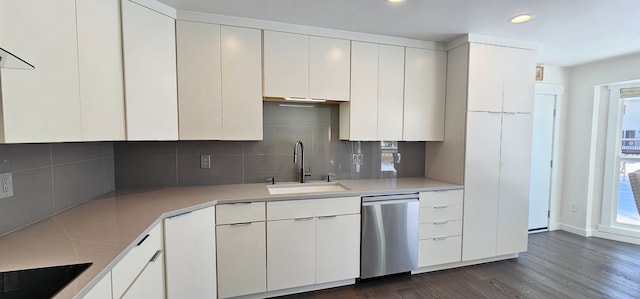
point(573, 206)
point(205, 161)
point(357, 159)
point(6, 185)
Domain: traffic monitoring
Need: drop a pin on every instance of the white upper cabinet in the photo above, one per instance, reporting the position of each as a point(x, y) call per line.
point(375, 110)
point(329, 68)
point(286, 64)
point(297, 65)
point(424, 95)
point(241, 83)
point(199, 81)
point(486, 70)
point(362, 117)
point(501, 79)
point(390, 92)
point(520, 80)
point(101, 70)
point(150, 73)
point(41, 105)
point(219, 82)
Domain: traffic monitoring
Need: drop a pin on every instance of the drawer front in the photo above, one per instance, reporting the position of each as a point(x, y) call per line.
point(439, 198)
point(126, 271)
point(291, 209)
point(452, 212)
point(440, 229)
point(240, 212)
point(439, 251)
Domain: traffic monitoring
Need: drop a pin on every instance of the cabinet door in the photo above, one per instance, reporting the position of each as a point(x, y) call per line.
point(363, 107)
point(150, 283)
point(424, 95)
point(390, 92)
point(241, 83)
point(190, 244)
point(199, 81)
point(286, 64)
point(100, 67)
point(242, 264)
point(291, 253)
point(150, 73)
point(486, 76)
point(481, 184)
point(40, 105)
point(102, 290)
point(329, 68)
point(337, 248)
point(519, 80)
point(515, 168)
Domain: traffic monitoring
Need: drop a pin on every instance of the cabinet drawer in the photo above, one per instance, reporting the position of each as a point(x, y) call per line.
point(440, 198)
point(440, 229)
point(240, 212)
point(439, 251)
point(125, 272)
point(291, 209)
point(440, 213)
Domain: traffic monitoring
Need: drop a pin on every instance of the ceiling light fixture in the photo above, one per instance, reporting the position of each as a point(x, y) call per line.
point(522, 18)
point(394, 1)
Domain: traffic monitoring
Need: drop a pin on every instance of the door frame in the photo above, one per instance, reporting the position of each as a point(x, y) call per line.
point(554, 204)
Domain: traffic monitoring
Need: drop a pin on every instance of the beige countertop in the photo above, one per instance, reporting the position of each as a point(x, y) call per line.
point(102, 229)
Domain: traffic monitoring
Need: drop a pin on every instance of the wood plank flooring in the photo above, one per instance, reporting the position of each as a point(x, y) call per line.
point(557, 265)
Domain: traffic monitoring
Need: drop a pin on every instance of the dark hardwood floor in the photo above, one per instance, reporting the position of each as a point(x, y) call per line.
point(557, 265)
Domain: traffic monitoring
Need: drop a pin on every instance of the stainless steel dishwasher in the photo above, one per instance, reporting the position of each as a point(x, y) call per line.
point(389, 234)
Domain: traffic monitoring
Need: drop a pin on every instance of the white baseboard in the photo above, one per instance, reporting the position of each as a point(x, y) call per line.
point(575, 230)
point(462, 264)
point(290, 291)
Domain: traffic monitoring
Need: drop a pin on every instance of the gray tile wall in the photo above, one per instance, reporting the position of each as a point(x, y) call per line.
point(154, 164)
point(50, 178)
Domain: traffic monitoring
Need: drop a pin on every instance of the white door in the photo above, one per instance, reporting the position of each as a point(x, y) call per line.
point(541, 156)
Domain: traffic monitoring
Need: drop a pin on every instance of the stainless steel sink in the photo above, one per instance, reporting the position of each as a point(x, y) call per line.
point(293, 188)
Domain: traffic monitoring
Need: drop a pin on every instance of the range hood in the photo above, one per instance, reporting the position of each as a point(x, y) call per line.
point(10, 61)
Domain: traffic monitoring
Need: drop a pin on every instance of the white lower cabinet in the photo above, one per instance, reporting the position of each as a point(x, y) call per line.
point(150, 283)
point(126, 274)
point(291, 250)
point(337, 248)
point(102, 290)
point(190, 241)
point(312, 242)
point(241, 249)
point(440, 231)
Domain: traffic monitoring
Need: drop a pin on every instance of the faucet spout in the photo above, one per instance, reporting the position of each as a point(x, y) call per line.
point(295, 158)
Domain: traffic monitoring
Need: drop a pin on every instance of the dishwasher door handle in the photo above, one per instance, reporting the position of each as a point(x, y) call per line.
point(388, 202)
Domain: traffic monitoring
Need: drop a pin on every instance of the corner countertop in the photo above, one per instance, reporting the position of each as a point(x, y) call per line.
point(101, 230)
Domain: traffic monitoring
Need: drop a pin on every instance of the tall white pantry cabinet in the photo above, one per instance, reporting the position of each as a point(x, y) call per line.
point(487, 145)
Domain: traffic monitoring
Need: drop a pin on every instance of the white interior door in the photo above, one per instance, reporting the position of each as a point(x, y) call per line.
point(541, 156)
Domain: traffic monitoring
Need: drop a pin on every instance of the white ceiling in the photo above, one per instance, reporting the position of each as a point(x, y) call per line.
point(567, 32)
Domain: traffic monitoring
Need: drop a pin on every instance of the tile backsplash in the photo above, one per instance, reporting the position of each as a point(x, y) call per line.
point(154, 164)
point(50, 178)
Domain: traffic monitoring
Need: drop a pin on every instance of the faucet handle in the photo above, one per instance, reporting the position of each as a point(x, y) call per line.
point(329, 177)
point(308, 173)
point(271, 180)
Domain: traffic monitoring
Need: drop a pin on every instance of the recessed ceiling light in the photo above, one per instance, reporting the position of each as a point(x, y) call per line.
point(519, 19)
point(394, 1)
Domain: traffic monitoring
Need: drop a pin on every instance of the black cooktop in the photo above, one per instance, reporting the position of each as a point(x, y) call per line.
point(38, 283)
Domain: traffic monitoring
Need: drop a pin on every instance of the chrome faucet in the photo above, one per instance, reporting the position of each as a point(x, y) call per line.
point(295, 159)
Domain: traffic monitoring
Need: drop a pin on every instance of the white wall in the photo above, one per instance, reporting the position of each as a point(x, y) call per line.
point(555, 75)
point(584, 138)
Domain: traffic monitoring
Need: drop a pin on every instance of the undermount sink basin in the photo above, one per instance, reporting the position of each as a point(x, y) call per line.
point(292, 188)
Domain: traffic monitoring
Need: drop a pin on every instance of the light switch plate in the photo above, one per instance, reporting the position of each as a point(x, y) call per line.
point(6, 185)
point(205, 161)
